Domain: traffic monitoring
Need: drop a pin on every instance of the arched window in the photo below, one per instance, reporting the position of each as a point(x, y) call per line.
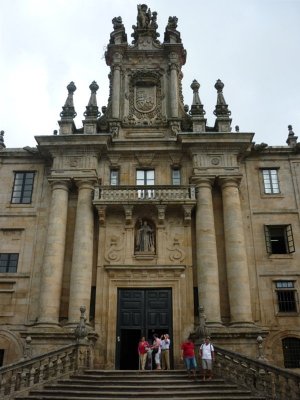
point(291, 352)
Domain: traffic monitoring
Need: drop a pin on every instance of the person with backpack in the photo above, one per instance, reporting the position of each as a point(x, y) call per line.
point(207, 356)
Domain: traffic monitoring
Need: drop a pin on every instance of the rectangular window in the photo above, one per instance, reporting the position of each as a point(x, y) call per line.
point(279, 239)
point(286, 296)
point(145, 177)
point(176, 176)
point(23, 187)
point(9, 262)
point(114, 177)
point(270, 180)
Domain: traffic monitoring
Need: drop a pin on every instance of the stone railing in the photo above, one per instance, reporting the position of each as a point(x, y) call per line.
point(261, 378)
point(142, 194)
point(20, 377)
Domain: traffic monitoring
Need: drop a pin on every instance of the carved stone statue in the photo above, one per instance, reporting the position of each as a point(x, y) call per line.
point(145, 238)
point(144, 16)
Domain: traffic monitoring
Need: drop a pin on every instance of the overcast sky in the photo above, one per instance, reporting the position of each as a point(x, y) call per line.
point(253, 46)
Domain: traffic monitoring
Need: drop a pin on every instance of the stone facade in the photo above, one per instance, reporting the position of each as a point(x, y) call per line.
point(199, 235)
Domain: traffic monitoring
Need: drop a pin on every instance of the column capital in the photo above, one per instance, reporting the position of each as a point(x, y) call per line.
point(203, 181)
point(63, 184)
point(85, 183)
point(229, 181)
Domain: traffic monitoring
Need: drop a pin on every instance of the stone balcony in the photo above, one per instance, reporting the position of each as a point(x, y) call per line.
point(134, 195)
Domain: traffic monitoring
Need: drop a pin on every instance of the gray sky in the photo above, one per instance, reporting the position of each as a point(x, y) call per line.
point(253, 46)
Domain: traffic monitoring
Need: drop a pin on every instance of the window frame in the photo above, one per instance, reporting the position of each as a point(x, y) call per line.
point(286, 294)
point(8, 265)
point(176, 181)
point(274, 184)
point(145, 179)
point(287, 235)
point(117, 176)
point(21, 187)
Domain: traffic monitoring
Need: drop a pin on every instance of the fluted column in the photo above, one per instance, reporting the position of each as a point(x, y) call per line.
point(174, 91)
point(53, 262)
point(82, 260)
point(207, 261)
point(116, 91)
point(236, 257)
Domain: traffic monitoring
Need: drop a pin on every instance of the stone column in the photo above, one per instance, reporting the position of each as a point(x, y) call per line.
point(53, 262)
point(115, 101)
point(174, 91)
point(207, 260)
point(82, 261)
point(236, 257)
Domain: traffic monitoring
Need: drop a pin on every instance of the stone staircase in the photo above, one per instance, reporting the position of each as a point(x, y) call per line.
point(134, 385)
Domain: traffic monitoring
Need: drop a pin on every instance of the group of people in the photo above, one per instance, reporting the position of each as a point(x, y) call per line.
point(160, 349)
point(206, 354)
point(159, 352)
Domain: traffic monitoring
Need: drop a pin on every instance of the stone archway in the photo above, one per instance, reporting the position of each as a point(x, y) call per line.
point(12, 345)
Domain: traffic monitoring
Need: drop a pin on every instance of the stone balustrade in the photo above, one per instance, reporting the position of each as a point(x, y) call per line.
point(142, 194)
point(261, 378)
point(20, 377)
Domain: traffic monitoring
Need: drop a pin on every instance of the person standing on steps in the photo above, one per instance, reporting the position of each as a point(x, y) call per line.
point(207, 355)
point(156, 348)
point(188, 356)
point(143, 351)
point(165, 351)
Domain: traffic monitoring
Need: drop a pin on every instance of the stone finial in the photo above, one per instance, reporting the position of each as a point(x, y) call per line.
point(292, 139)
point(223, 122)
point(81, 331)
point(237, 129)
point(118, 35)
point(92, 110)
point(221, 107)
point(68, 111)
point(171, 33)
point(2, 145)
point(197, 106)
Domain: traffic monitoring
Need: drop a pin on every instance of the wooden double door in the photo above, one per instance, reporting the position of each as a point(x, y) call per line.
point(141, 312)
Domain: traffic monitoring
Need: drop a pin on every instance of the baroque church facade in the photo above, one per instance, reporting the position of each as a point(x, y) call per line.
point(150, 219)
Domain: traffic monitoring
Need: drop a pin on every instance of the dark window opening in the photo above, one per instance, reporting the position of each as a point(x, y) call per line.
point(23, 187)
point(93, 303)
point(9, 262)
point(286, 296)
point(1, 357)
point(279, 239)
point(196, 302)
point(291, 352)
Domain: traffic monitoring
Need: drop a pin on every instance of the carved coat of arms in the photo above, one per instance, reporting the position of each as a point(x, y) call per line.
point(145, 98)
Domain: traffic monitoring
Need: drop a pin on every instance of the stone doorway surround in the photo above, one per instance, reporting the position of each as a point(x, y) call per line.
point(110, 278)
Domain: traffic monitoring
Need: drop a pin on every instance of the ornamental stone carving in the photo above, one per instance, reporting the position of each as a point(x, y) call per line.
point(113, 253)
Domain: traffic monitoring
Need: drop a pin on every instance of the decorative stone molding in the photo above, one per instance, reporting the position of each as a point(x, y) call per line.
point(101, 214)
point(128, 214)
point(161, 213)
point(187, 210)
point(113, 253)
point(134, 272)
point(176, 253)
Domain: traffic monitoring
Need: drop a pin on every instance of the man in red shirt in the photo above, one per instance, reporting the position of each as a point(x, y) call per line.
point(188, 356)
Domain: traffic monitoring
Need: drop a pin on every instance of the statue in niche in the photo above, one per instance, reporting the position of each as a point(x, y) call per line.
point(145, 238)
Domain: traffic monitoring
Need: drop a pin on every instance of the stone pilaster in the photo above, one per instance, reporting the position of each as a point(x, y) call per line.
point(236, 257)
point(53, 262)
point(116, 91)
point(174, 91)
point(207, 261)
point(82, 261)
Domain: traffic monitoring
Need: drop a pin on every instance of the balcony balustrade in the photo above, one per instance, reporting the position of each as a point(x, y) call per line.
point(145, 194)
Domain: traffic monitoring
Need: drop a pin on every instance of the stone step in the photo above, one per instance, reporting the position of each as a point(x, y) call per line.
point(139, 385)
